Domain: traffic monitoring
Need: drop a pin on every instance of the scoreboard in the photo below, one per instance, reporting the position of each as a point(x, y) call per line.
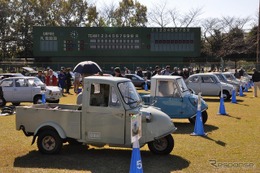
point(116, 41)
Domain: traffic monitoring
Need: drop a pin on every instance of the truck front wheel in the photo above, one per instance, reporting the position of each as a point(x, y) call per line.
point(162, 146)
point(49, 142)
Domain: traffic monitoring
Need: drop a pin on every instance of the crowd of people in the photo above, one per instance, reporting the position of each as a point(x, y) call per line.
point(63, 79)
point(149, 72)
point(167, 70)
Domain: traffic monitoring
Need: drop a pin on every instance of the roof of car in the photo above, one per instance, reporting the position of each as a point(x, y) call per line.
point(166, 77)
point(5, 74)
point(108, 78)
point(18, 77)
point(199, 74)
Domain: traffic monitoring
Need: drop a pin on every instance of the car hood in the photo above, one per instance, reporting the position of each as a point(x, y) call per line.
point(53, 88)
point(226, 85)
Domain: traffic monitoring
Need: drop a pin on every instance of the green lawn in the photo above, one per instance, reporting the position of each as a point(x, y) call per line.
point(232, 144)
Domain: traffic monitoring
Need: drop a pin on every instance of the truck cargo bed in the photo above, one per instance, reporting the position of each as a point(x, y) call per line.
point(68, 117)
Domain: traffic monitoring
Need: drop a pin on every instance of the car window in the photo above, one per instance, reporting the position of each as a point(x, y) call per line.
point(127, 76)
point(167, 89)
point(7, 83)
point(129, 93)
point(99, 95)
point(194, 79)
point(207, 79)
point(21, 83)
point(227, 76)
point(114, 100)
point(182, 85)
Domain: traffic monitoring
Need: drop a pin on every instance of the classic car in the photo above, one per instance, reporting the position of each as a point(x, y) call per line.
point(27, 89)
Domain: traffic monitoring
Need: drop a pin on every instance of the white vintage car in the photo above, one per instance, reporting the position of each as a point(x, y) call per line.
point(27, 89)
point(209, 85)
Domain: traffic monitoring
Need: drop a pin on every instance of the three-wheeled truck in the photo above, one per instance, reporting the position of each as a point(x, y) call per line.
point(171, 95)
point(103, 118)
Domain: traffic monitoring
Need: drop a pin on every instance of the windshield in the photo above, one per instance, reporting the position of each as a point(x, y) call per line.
point(182, 85)
point(129, 93)
point(220, 77)
point(35, 82)
point(230, 77)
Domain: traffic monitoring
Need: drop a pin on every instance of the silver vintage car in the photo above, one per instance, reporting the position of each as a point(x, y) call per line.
point(209, 85)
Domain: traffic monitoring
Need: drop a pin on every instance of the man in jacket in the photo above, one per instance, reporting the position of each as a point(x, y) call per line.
point(256, 80)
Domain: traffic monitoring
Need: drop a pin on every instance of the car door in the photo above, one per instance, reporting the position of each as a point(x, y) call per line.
point(209, 86)
point(168, 98)
point(106, 115)
point(8, 88)
point(194, 83)
point(22, 91)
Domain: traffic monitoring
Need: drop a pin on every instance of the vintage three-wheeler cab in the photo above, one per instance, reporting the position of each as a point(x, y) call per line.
point(102, 118)
point(171, 95)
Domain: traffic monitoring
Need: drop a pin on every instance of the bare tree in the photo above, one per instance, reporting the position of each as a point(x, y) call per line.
point(107, 13)
point(187, 19)
point(224, 38)
point(159, 14)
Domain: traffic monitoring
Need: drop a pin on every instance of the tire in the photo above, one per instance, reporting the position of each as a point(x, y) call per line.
point(16, 103)
point(162, 146)
point(2, 102)
point(204, 116)
point(49, 142)
point(37, 100)
point(54, 101)
point(226, 95)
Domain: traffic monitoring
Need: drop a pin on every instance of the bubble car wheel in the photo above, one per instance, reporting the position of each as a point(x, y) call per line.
point(162, 146)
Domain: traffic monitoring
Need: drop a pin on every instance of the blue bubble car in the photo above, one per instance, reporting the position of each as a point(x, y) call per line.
point(171, 95)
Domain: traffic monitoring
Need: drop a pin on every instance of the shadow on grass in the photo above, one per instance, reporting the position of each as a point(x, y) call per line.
point(221, 143)
point(218, 100)
point(228, 115)
point(100, 160)
point(188, 128)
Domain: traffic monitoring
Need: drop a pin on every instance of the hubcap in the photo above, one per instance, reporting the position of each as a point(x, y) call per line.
point(160, 144)
point(48, 143)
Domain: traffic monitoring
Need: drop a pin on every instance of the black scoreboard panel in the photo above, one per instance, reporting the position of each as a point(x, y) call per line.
point(116, 41)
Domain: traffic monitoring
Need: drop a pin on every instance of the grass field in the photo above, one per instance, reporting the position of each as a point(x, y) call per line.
point(232, 144)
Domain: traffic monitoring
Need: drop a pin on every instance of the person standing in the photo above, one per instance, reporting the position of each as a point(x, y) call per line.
point(76, 82)
point(51, 79)
point(139, 72)
point(117, 72)
point(127, 71)
point(256, 80)
point(62, 83)
point(68, 80)
point(156, 71)
point(167, 70)
point(41, 76)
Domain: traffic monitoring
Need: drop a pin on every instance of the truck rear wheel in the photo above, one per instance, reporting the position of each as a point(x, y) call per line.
point(204, 116)
point(49, 142)
point(16, 103)
point(162, 146)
